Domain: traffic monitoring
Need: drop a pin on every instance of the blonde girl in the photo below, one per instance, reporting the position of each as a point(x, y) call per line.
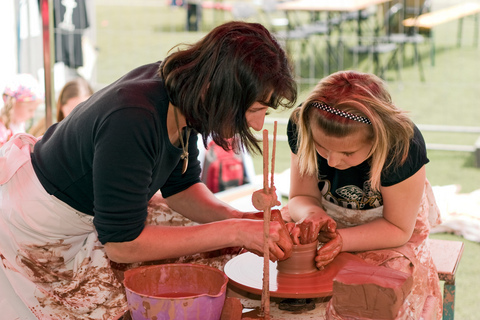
point(358, 174)
point(21, 97)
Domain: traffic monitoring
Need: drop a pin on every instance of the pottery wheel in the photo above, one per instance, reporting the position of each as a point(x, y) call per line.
point(245, 271)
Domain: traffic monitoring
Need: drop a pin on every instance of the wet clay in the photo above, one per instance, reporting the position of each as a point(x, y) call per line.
point(363, 291)
point(301, 260)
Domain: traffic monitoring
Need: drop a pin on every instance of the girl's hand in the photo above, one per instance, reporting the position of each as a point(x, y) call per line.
point(316, 226)
point(329, 250)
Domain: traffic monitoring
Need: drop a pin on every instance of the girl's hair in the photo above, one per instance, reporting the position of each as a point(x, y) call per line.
point(360, 94)
point(6, 112)
point(214, 81)
point(72, 89)
point(22, 87)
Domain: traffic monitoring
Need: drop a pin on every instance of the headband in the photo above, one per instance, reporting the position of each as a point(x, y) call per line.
point(24, 87)
point(341, 113)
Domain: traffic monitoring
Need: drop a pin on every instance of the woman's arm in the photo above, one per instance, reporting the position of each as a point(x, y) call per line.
point(199, 204)
point(401, 203)
point(160, 242)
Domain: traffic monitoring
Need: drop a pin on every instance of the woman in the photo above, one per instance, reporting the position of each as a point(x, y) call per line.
point(358, 175)
point(92, 174)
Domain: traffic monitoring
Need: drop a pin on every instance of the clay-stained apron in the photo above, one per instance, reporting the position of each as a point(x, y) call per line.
point(50, 256)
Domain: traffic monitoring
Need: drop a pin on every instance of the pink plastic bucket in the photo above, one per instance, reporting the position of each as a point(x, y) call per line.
point(175, 291)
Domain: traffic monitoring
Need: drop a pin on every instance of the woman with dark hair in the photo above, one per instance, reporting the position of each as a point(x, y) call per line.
point(78, 197)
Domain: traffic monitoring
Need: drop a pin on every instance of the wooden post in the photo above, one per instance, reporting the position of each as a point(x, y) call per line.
point(477, 153)
point(48, 56)
point(266, 235)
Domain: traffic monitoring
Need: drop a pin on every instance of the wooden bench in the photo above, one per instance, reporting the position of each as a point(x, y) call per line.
point(429, 20)
point(217, 5)
point(446, 256)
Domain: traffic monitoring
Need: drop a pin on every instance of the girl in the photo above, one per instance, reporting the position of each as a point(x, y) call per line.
point(72, 93)
point(358, 174)
point(21, 97)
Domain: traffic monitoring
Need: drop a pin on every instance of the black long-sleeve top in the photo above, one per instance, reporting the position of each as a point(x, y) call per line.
point(113, 153)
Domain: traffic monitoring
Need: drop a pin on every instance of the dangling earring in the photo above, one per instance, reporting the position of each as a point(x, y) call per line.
point(184, 155)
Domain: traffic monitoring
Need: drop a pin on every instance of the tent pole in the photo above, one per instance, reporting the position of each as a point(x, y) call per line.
point(48, 57)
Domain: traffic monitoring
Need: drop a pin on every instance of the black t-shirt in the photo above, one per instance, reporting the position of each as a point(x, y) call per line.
point(113, 153)
point(350, 188)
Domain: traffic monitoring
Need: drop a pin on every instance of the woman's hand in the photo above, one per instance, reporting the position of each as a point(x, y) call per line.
point(251, 238)
point(329, 250)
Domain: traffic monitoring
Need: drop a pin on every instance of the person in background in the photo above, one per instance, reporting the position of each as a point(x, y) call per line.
point(78, 198)
point(72, 93)
point(21, 96)
point(358, 175)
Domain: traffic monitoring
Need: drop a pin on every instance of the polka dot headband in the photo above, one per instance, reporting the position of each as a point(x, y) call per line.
point(341, 113)
point(23, 87)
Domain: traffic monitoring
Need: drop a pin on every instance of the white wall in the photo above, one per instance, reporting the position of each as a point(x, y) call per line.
point(8, 53)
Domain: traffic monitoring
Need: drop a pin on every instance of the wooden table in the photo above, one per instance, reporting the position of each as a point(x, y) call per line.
point(328, 5)
point(331, 6)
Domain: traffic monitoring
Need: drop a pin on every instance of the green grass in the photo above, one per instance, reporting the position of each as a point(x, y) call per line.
point(130, 35)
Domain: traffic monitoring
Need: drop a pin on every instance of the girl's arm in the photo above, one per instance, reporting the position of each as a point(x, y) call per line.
point(305, 197)
point(401, 203)
point(305, 202)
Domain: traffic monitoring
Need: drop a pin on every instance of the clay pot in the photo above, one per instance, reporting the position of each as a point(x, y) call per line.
point(301, 261)
point(175, 291)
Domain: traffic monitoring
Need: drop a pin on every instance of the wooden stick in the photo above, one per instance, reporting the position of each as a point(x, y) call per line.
point(265, 304)
point(274, 147)
point(265, 161)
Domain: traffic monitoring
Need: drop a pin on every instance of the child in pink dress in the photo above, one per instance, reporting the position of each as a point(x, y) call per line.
point(21, 97)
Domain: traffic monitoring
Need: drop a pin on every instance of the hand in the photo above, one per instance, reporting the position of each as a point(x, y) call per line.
point(294, 231)
point(329, 251)
point(316, 226)
point(280, 243)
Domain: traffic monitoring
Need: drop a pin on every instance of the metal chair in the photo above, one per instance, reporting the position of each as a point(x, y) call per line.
point(292, 30)
point(378, 45)
point(411, 36)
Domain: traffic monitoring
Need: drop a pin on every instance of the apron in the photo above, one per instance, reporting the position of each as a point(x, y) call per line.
point(53, 266)
point(413, 258)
